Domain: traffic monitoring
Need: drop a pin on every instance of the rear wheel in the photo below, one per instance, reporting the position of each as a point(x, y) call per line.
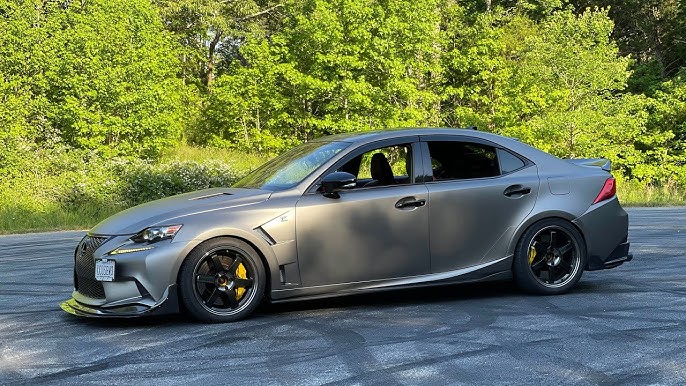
point(222, 280)
point(550, 257)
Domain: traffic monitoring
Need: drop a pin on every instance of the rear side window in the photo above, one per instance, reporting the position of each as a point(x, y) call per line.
point(509, 162)
point(453, 160)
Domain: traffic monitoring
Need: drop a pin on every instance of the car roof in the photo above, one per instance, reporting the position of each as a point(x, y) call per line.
point(376, 135)
point(539, 157)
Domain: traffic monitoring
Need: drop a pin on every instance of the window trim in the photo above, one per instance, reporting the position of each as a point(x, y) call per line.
point(426, 155)
point(417, 159)
point(525, 161)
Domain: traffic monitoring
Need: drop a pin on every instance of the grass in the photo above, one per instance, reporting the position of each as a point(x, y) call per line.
point(636, 194)
point(52, 216)
point(36, 203)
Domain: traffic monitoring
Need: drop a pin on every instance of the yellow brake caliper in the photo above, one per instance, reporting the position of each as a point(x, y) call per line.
point(532, 254)
point(240, 273)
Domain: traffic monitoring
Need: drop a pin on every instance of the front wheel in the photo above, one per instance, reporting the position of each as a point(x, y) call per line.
point(222, 280)
point(550, 257)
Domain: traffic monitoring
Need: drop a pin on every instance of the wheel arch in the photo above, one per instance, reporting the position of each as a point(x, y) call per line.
point(529, 222)
point(263, 251)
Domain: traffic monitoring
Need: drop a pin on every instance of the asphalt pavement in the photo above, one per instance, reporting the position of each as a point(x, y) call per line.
point(625, 326)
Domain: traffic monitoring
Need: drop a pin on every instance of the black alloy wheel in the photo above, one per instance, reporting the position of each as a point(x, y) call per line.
point(222, 280)
point(550, 257)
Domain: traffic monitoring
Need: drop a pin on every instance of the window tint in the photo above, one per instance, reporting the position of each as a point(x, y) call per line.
point(381, 167)
point(508, 161)
point(452, 160)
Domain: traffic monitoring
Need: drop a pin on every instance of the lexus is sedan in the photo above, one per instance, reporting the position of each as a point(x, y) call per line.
point(358, 212)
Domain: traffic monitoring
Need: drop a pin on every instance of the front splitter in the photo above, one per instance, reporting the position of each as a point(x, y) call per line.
point(168, 306)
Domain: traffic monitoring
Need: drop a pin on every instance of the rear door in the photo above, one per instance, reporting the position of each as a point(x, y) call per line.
point(479, 194)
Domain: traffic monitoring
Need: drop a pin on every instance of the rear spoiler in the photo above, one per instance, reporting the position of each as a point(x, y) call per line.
point(602, 163)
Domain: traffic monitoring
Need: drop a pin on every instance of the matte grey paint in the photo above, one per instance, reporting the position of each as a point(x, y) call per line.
point(362, 236)
point(469, 217)
point(316, 246)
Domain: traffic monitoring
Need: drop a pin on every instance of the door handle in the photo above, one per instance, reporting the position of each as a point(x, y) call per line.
point(517, 190)
point(409, 202)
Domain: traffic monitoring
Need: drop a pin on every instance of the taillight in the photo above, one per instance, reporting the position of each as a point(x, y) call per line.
point(608, 191)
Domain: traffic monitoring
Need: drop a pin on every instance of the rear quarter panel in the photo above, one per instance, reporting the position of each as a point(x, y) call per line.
point(567, 191)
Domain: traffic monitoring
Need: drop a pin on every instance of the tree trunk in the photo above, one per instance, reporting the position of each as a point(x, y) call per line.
point(210, 60)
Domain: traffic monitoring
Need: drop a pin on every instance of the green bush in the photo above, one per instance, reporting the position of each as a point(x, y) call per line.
point(143, 182)
point(66, 189)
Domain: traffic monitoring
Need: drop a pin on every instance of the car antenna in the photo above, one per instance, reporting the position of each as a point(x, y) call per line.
point(472, 128)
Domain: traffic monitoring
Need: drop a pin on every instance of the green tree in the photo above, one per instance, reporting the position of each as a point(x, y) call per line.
point(668, 113)
point(333, 66)
point(650, 31)
point(97, 75)
point(246, 108)
point(211, 32)
point(354, 64)
point(557, 84)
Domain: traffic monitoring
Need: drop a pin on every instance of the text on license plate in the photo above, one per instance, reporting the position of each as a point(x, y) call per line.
point(104, 270)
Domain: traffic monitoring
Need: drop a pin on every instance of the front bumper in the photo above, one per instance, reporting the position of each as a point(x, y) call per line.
point(144, 280)
point(169, 305)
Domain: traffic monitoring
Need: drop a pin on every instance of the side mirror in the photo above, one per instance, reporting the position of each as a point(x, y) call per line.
point(337, 181)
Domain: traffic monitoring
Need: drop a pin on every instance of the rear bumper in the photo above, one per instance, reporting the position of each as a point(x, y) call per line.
point(605, 227)
point(619, 256)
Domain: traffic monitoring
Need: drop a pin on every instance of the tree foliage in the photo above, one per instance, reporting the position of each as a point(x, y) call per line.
point(578, 78)
point(333, 66)
point(94, 75)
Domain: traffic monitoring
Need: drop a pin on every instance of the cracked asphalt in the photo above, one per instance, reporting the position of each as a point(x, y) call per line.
point(625, 326)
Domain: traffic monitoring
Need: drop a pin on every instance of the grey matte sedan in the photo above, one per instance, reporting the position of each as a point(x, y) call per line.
point(358, 212)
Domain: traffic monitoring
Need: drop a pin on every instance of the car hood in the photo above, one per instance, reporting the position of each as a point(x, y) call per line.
point(168, 211)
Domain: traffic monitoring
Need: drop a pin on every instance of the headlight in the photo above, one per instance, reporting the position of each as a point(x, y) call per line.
point(154, 234)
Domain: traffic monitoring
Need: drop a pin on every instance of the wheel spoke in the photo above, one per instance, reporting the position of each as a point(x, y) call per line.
point(566, 248)
point(234, 266)
point(566, 266)
point(551, 274)
point(213, 297)
point(540, 255)
point(539, 264)
point(243, 283)
point(231, 295)
point(218, 267)
point(207, 279)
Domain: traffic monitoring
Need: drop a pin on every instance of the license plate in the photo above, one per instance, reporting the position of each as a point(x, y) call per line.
point(104, 270)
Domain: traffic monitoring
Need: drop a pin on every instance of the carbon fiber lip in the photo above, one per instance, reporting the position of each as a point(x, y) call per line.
point(72, 306)
point(169, 305)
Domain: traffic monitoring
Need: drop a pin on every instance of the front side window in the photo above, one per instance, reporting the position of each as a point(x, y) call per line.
point(292, 167)
point(391, 165)
point(454, 160)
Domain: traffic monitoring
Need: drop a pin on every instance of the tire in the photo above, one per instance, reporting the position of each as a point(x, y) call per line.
point(550, 257)
point(222, 280)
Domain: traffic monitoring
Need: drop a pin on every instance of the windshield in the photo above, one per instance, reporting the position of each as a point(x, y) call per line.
point(290, 168)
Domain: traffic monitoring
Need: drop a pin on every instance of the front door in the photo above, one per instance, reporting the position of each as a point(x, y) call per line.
point(378, 230)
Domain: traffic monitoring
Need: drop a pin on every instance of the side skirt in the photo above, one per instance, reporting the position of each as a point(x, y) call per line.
point(495, 270)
